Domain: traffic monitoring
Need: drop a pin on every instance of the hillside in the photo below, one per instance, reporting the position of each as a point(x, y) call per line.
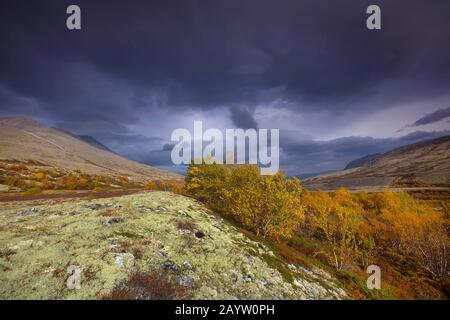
point(361, 161)
point(28, 141)
point(425, 163)
point(112, 238)
point(94, 142)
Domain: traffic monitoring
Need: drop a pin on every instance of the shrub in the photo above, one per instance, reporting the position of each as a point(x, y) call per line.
point(33, 190)
point(165, 185)
point(40, 176)
point(399, 223)
point(154, 286)
point(336, 217)
point(268, 205)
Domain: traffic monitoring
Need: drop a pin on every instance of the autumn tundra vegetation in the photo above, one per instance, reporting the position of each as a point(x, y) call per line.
point(343, 232)
point(22, 177)
point(348, 232)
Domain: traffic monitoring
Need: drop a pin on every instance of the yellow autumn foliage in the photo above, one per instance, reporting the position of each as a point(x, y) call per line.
point(268, 205)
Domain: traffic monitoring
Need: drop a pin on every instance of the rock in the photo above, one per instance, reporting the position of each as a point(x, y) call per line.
point(27, 212)
point(113, 240)
point(187, 265)
point(298, 283)
point(199, 235)
point(247, 278)
point(161, 208)
point(213, 293)
point(112, 221)
point(292, 267)
point(170, 265)
point(184, 232)
point(96, 206)
point(162, 253)
point(123, 260)
point(185, 281)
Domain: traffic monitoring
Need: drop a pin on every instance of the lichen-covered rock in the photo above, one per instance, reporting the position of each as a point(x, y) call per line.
point(214, 262)
point(122, 260)
point(186, 281)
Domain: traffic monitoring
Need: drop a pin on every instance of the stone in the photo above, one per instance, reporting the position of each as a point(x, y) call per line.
point(112, 221)
point(199, 235)
point(187, 265)
point(234, 277)
point(96, 206)
point(184, 232)
point(170, 265)
point(292, 267)
point(213, 293)
point(123, 260)
point(185, 281)
point(27, 212)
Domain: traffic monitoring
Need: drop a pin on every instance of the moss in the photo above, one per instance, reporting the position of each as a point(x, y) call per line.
point(128, 234)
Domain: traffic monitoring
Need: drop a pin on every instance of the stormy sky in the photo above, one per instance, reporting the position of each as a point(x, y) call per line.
point(137, 70)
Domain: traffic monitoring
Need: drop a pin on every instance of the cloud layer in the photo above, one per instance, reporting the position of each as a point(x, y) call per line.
point(138, 70)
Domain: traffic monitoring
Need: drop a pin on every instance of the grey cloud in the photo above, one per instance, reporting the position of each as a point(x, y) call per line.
point(188, 52)
point(320, 156)
point(167, 147)
point(436, 116)
point(138, 59)
point(243, 118)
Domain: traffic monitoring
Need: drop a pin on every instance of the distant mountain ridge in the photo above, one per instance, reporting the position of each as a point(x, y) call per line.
point(313, 174)
point(86, 138)
point(362, 161)
point(422, 163)
point(94, 142)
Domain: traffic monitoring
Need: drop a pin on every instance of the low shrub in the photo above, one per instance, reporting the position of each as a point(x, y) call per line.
point(154, 286)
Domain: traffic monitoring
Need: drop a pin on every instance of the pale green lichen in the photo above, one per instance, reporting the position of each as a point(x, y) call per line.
point(37, 246)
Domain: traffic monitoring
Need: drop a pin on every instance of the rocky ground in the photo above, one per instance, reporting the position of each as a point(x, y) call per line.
point(112, 237)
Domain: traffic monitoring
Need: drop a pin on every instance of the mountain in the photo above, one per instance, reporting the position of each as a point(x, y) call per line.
point(86, 138)
point(361, 161)
point(425, 163)
point(94, 142)
point(313, 174)
point(27, 140)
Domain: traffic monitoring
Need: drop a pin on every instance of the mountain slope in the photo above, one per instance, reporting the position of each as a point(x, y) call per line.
point(361, 161)
point(26, 140)
point(86, 138)
point(422, 163)
point(94, 142)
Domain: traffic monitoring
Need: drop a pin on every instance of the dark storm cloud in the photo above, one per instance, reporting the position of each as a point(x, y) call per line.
point(243, 118)
point(210, 54)
point(432, 117)
point(138, 58)
point(167, 147)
